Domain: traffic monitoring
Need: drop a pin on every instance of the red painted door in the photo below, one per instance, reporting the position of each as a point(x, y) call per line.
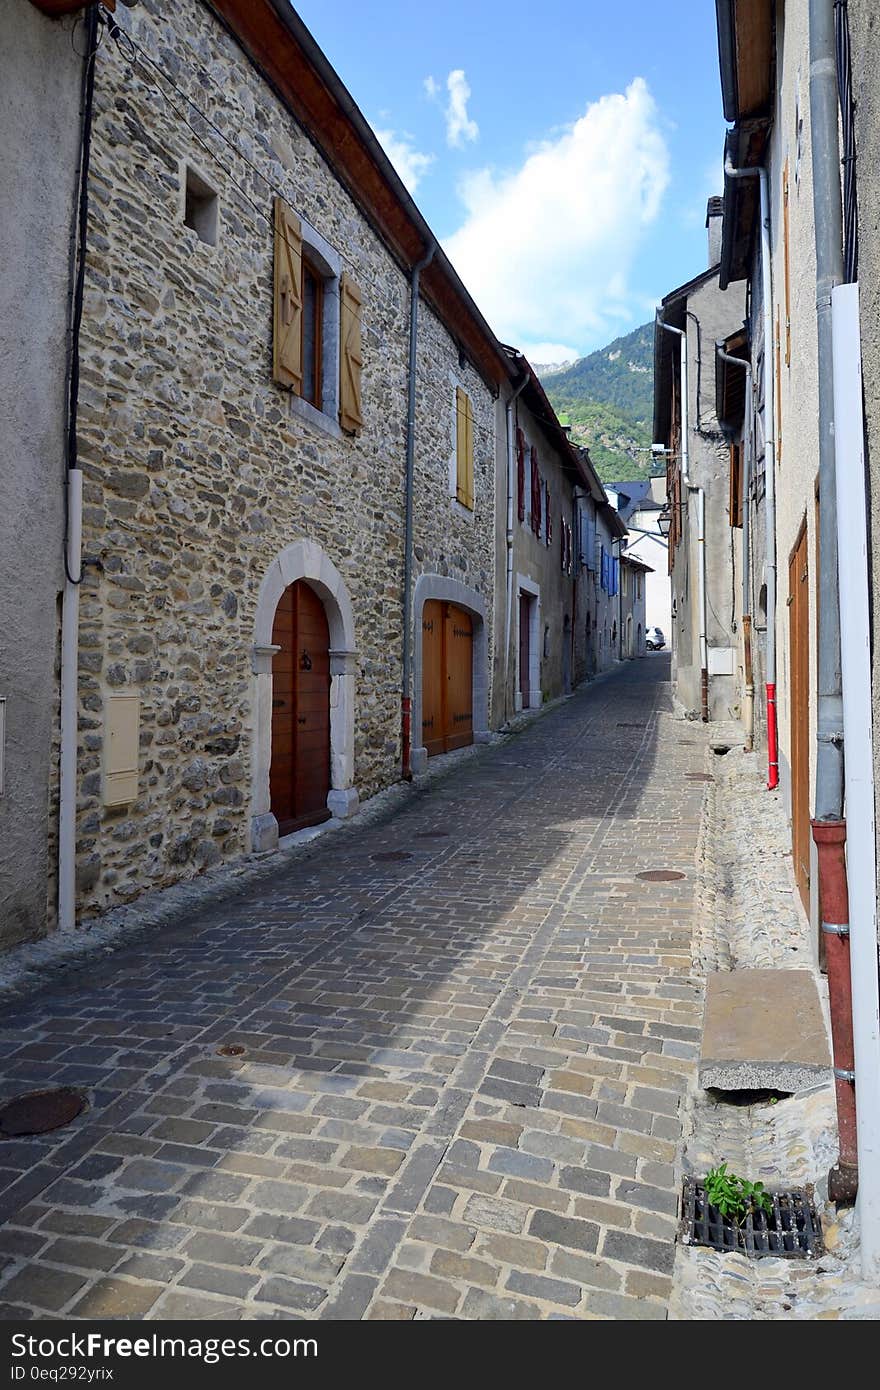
point(299, 775)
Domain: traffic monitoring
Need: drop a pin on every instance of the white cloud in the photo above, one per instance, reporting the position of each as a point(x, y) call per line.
point(546, 249)
point(409, 162)
point(548, 354)
point(459, 126)
point(432, 87)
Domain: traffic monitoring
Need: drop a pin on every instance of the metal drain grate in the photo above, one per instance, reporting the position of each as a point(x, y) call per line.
point(389, 856)
point(699, 777)
point(792, 1230)
point(621, 724)
point(659, 875)
point(431, 835)
point(38, 1112)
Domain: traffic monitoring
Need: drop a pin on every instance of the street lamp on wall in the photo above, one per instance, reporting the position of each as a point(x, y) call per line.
point(664, 523)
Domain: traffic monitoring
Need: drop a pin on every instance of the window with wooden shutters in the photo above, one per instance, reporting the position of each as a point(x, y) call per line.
point(464, 449)
point(287, 334)
point(520, 475)
point(350, 356)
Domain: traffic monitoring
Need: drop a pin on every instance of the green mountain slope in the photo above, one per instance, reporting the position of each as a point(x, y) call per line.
point(608, 399)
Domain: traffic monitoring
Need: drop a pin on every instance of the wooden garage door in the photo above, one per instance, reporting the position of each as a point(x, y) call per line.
point(799, 646)
point(447, 677)
point(299, 774)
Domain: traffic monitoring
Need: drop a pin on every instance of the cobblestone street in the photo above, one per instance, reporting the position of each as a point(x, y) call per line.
point(463, 1033)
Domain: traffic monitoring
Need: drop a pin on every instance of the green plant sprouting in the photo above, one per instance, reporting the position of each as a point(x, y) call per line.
point(734, 1196)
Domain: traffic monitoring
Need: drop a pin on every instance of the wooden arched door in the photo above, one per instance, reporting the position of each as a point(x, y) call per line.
point(299, 773)
point(447, 677)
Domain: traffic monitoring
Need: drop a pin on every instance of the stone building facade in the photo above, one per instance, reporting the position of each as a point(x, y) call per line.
point(41, 75)
point(540, 496)
point(210, 488)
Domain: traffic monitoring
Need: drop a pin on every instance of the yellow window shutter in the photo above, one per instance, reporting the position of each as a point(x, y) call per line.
point(287, 334)
point(464, 448)
point(351, 357)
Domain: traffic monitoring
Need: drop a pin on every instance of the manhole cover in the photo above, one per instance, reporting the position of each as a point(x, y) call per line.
point(231, 1050)
point(790, 1230)
point(699, 777)
point(432, 835)
point(388, 856)
point(659, 875)
point(41, 1111)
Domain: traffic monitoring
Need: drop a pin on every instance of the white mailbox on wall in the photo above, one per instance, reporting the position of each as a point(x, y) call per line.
point(122, 717)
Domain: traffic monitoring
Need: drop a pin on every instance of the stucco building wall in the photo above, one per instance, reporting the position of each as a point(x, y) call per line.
point(40, 76)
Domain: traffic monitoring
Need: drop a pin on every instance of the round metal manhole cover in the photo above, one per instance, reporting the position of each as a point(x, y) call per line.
point(41, 1111)
point(390, 856)
point(230, 1050)
point(660, 875)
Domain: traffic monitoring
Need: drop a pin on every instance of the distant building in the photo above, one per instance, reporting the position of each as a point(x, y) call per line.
point(639, 506)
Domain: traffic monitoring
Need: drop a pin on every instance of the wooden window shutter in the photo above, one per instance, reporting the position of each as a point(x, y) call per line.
point(350, 356)
point(464, 448)
point(287, 330)
point(520, 474)
point(536, 493)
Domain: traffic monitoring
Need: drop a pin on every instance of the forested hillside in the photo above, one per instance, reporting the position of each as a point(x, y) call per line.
point(607, 398)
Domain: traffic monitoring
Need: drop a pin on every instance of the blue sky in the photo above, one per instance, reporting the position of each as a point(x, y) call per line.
point(562, 152)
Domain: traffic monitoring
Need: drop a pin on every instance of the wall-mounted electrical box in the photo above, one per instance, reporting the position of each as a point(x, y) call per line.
point(122, 717)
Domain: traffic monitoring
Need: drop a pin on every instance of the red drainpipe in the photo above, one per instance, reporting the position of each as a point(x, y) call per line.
point(772, 740)
point(830, 841)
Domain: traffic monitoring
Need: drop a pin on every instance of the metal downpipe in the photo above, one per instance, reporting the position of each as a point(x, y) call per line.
point(406, 690)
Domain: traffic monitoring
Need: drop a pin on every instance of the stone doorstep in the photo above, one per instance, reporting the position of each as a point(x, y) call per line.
point(763, 1030)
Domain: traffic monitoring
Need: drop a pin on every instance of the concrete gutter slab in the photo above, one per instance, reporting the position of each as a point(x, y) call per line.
point(763, 1030)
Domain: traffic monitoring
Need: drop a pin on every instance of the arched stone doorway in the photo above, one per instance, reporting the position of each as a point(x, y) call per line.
point(303, 561)
point(435, 589)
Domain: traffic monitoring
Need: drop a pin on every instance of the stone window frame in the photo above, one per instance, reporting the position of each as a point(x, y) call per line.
point(324, 260)
point(467, 514)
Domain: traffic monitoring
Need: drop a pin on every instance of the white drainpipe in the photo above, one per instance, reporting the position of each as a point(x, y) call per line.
point(855, 651)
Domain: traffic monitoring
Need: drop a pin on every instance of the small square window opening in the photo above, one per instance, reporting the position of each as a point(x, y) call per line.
point(201, 208)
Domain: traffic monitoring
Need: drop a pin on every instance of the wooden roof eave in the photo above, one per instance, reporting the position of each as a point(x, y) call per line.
point(282, 50)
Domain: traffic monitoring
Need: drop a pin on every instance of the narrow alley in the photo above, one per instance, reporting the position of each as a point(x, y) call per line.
point(432, 1069)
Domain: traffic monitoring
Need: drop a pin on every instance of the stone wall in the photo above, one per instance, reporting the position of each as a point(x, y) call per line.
point(40, 77)
point(199, 472)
